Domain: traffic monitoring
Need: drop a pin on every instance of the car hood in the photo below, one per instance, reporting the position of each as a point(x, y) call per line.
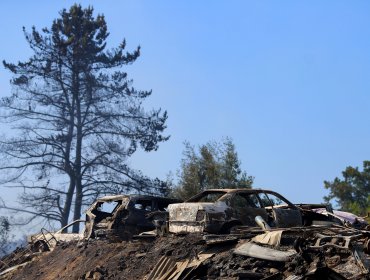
point(187, 211)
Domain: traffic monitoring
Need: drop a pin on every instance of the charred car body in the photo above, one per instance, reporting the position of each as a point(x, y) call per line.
point(219, 210)
point(46, 240)
point(123, 216)
point(346, 218)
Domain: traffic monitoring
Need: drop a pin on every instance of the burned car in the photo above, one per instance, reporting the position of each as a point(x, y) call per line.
point(46, 240)
point(122, 216)
point(346, 218)
point(219, 210)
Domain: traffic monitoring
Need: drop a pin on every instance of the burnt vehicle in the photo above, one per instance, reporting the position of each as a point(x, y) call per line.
point(47, 240)
point(220, 210)
point(346, 218)
point(122, 216)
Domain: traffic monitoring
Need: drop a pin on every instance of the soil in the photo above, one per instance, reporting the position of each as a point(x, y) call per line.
point(101, 259)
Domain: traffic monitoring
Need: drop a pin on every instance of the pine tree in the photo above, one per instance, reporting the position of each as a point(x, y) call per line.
point(76, 119)
point(214, 165)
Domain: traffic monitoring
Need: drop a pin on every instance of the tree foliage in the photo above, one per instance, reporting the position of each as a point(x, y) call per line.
point(76, 119)
point(352, 193)
point(213, 165)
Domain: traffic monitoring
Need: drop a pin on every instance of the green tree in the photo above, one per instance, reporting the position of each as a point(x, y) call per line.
point(76, 119)
point(213, 165)
point(352, 193)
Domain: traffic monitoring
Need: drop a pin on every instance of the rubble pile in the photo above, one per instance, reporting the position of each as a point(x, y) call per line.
point(217, 234)
point(295, 253)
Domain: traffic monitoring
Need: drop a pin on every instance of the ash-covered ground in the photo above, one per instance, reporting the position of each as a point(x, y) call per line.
point(182, 257)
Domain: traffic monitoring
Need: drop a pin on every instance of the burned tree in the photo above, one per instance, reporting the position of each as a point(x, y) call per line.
point(4, 235)
point(76, 119)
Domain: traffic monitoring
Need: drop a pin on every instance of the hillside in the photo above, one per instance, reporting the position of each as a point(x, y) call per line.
point(190, 256)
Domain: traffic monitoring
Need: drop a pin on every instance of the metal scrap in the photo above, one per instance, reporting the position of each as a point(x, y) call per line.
point(46, 240)
point(270, 238)
point(361, 258)
point(167, 268)
point(254, 250)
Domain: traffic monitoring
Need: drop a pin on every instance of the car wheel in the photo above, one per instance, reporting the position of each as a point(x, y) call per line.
point(40, 246)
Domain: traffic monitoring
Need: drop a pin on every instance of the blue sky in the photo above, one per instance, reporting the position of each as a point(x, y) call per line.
point(287, 80)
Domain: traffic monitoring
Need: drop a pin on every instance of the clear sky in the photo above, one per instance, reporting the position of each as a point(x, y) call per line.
point(289, 81)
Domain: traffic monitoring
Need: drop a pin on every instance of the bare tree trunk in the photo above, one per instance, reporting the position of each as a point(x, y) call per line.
point(68, 202)
point(79, 194)
point(67, 166)
point(78, 206)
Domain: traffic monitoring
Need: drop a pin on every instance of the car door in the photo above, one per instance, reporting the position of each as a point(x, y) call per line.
point(139, 209)
point(246, 207)
point(283, 213)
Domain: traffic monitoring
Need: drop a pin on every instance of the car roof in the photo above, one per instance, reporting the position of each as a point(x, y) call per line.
point(113, 197)
point(231, 191)
point(135, 197)
point(238, 190)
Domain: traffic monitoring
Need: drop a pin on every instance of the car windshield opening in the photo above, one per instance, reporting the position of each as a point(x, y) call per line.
point(250, 200)
point(108, 207)
point(277, 201)
point(208, 196)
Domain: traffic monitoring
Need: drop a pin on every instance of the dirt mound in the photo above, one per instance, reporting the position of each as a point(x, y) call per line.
point(99, 259)
point(182, 257)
